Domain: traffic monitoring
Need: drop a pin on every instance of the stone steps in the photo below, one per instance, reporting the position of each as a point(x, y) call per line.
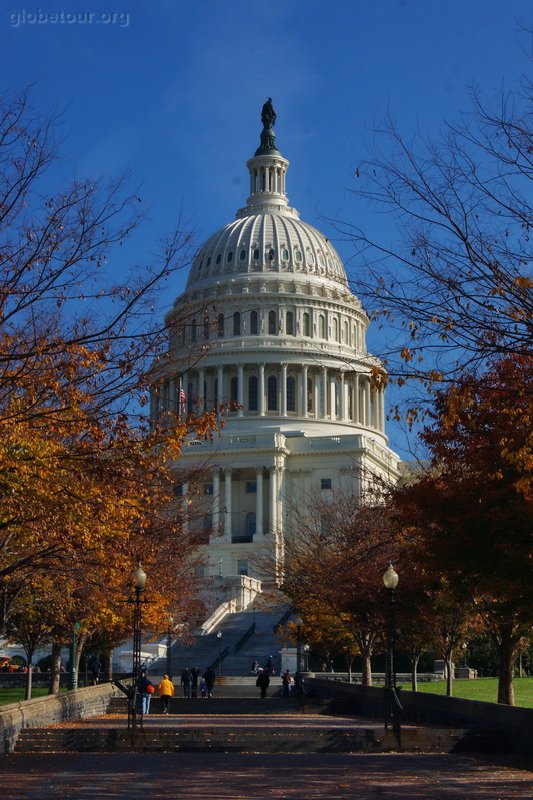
point(242, 706)
point(233, 738)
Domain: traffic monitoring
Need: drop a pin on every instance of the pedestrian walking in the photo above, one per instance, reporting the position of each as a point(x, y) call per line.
point(96, 669)
point(186, 682)
point(195, 674)
point(286, 683)
point(263, 681)
point(166, 691)
point(203, 687)
point(255, 666)
point(210, 679)
point(146, 690)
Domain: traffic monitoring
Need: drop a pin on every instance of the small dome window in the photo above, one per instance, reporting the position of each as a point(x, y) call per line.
point(311, 257)
point(218, 258)
point(256, 253)
point(208, 262)
point(297, 256)
point(271, 253)
point(242, 254)
point(229, 257)
point(200, 265)
point(321, 259)
point(285, 254)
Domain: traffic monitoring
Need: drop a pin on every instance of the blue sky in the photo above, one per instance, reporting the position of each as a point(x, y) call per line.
point(171, 92)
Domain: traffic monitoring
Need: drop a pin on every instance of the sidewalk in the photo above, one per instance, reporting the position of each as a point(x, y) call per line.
point(220, 776)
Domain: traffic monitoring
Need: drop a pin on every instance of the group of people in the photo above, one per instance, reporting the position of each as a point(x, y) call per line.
point(192, 681)
point(287, 682)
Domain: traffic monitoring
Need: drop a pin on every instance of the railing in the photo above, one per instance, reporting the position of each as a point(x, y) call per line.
point(244, 638)
point(219, 659)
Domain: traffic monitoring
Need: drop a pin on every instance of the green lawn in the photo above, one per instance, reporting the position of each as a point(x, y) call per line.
point(14, 695)
point(485, 689)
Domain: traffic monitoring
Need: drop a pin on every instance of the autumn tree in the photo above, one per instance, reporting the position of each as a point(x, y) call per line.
point(452, 285)
point(84, 482)
point(477, 502)
point(334, 558)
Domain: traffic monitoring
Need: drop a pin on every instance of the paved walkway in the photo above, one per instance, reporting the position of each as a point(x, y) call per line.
point(219, 776)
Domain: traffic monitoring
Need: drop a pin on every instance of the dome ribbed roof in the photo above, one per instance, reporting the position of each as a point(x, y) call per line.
point(267, 236)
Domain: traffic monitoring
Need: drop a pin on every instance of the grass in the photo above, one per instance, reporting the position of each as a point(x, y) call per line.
point(485, 689)
point(14, 695)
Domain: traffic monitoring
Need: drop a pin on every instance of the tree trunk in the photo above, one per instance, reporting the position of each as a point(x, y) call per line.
point(366, 678)
point(27, 694)
point(414, 670)
point(80, 644)
point(506, 654)
point(53, 687)
point(108, 665)
point(449, 674)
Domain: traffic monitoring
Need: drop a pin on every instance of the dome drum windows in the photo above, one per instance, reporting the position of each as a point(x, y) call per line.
point(237, 324)
point(254, 323)
point(272, 323)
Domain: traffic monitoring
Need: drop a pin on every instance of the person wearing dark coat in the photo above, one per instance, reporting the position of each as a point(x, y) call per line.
point(195, 674)
point(186, 682)
point(263, 681)
point(210, 678)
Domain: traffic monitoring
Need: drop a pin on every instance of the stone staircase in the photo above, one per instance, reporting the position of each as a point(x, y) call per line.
point(261, 644)
point(233, 724)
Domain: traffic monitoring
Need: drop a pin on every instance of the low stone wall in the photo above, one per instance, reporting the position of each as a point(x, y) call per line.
point(492, 727)
point(65, 707)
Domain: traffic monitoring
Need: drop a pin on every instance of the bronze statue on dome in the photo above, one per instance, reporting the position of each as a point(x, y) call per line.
point(268, 115)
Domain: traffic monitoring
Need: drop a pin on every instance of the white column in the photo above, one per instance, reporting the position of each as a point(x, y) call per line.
point(216, 502)
point(367, 402)
point(304, 391)
point(324, 392)
point(201, 396)
point(240, 388)
point(356, 398)
point(259, 501)
point(220, 385)
point(227, 504)
point(261, 390)
point(342, 399)
point(382, 410)
point(283, 392)
point(272, 499)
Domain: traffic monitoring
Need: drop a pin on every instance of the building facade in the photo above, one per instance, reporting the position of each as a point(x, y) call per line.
point(268, 328)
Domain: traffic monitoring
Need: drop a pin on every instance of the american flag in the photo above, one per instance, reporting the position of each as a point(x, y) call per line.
point(183, 401)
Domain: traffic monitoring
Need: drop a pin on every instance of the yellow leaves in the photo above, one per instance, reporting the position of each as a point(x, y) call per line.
point(407, 354)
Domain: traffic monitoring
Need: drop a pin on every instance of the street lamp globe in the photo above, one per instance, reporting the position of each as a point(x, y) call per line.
point(390, 577)
point(139, 577)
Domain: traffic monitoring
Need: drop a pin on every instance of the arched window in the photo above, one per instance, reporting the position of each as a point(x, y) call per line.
point(242, 255)
point(289, 323)
point(220, 325)
point(335, 327)
point(272, 393)
point(272, 322)
point(234, 389)
point(193, 330)
point(237, 324)
point(291, 394)
point(254, 323)
point(206, 327)
point(250, 525)
point(252, 393)
point(309, 394)
point(321, 327)
point(307, 325)
point(346, 329)
point(229, 257)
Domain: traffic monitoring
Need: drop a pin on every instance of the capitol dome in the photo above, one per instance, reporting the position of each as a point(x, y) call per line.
point(268, 333)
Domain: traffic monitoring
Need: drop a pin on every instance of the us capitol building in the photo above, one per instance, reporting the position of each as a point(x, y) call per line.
point(268, 327)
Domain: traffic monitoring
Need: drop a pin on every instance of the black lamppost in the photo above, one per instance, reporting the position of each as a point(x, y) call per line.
point(169, 646)
point(392, 703)
point(139, 577)
point(298, 621)
point(219, 639)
